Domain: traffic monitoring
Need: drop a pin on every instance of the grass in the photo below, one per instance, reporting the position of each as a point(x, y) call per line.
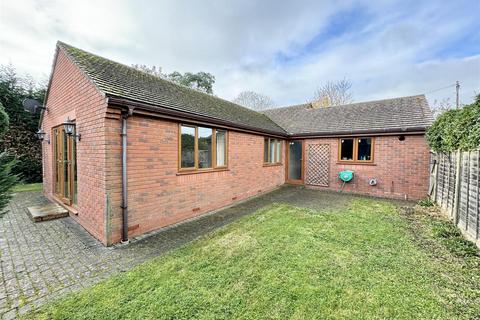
point(365, 261)
point(27, 187)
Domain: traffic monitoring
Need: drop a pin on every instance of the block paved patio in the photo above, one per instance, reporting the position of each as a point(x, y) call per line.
point(44, 260)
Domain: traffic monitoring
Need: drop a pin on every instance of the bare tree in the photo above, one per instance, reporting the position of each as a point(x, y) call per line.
point(441, 106)
point(153, 70)
point(253, 100)
point(333, 93)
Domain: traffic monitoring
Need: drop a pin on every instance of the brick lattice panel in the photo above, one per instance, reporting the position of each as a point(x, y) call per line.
point(318, 166)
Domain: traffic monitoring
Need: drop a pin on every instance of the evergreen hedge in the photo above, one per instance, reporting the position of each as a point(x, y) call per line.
point(457, 129)
point(4, 121)
point(7, 180)
point(19, 140)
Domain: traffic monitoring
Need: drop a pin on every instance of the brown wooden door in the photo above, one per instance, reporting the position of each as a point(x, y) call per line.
point(64, 150)
point(295, 161)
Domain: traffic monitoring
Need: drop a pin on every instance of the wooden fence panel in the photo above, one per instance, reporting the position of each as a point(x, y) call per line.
point(458, 196)
point(472, 216)
point(464, 191)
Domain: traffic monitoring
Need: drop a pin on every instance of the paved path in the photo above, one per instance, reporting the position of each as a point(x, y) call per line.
point(41, 261)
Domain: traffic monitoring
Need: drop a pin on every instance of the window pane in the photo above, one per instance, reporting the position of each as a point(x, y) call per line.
point(278, 157)
point(221, 137)
point(66, 173)
point(346, 152)
point(364, 149)
point(295, 160)
point(272, 150)
point(204, 147)
point(188, 147)
point(265, 150)
point(74, 164)
point(57, 166)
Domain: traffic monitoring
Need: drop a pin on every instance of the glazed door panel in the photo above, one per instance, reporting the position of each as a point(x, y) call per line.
point(295, 161)
point(64, 150)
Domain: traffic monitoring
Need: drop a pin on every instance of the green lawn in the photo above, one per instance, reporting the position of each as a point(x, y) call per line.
point(365, 261)
point(27, 187)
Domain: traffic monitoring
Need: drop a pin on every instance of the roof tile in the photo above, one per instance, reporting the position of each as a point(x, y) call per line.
point(398, 114)
point(118, 80)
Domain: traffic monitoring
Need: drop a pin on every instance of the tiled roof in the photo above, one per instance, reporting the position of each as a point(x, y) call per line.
point(391, 115)
point(118, 80)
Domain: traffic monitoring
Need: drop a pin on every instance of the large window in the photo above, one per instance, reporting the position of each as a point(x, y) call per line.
point(356, 150)
point(272, 151)
point(202, 148)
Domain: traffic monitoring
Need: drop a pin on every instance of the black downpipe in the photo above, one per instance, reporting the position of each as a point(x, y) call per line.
point(124, 176)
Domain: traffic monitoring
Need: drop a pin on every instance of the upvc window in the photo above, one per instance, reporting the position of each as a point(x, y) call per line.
point(272, 151)
point(202, 148)
point(356, 150)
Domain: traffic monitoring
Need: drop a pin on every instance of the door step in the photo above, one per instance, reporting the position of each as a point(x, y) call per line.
point(46, 212)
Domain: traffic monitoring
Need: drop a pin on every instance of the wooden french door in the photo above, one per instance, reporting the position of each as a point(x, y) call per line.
point(295, 161)
point(64, 155)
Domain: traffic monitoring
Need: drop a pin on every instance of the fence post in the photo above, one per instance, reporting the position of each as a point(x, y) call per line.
point(467, 207)
point(456, 198)
point(442, 157)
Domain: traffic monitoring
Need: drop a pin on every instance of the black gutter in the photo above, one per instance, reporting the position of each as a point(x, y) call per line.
point(122, 102)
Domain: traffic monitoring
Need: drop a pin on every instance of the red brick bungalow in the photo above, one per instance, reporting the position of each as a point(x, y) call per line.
point(128, 153)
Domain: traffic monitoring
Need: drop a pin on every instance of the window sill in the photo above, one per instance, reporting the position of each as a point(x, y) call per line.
point(183, 173)
point(356, 163)
point(272, 164)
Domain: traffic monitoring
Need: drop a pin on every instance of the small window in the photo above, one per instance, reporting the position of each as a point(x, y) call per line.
point(221, 141)
point(202, 148)
point(356, 150)
point(346, 149)
point(205, 147)
point(278, 152)
point(364, 149)
point(266, 147)
point(272, 151)
point(187, 147)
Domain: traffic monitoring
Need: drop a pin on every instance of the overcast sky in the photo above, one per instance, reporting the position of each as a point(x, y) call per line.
point(284, 49)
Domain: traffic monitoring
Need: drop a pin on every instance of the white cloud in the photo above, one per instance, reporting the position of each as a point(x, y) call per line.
point(392, 54)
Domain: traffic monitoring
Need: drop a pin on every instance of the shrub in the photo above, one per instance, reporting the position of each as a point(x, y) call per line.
point(457, 129)
point(7, 180)
point(426, 202)
point(451, 237)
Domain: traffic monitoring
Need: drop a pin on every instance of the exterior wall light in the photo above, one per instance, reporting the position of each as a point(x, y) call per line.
point(69, 127)
point(41, 135)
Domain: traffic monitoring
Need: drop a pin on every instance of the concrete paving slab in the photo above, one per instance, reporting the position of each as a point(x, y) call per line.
point(46, 212)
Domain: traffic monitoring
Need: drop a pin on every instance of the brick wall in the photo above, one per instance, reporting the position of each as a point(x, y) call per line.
point(72, 95)
point(158, 196)
point(401, 168)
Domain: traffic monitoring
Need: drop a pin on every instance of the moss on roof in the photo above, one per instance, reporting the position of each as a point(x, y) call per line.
point(118, 80)
point(389, 115)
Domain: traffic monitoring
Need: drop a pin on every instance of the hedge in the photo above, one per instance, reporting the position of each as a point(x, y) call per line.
point(457, 129)
point(4, 121)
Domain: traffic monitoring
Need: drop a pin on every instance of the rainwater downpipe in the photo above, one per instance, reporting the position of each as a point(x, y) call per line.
point(124, 205)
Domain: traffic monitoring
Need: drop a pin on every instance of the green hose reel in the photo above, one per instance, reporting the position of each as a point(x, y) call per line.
point(345, 176)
